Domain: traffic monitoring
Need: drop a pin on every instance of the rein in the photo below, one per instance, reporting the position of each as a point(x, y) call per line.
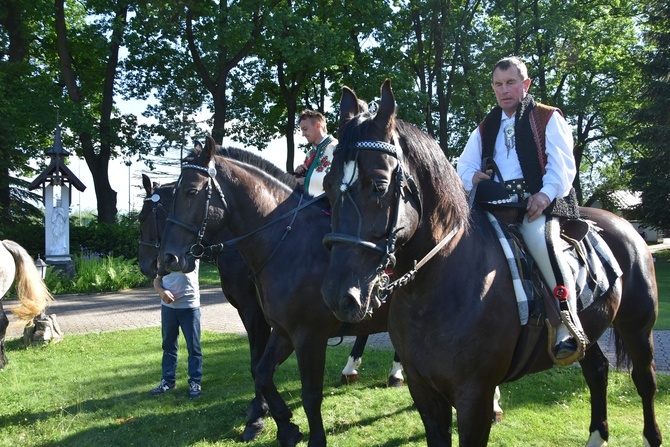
point(387, 252)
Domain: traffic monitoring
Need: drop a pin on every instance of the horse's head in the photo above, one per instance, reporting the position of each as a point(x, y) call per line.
point(376, 205)
point(187, 225)
point(152, 223)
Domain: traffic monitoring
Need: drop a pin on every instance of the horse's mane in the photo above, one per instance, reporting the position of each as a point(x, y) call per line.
point(426, 159)
point(252, 159)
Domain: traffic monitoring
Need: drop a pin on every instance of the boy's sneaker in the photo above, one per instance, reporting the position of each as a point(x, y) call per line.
point(195, 390)
point(162, 388)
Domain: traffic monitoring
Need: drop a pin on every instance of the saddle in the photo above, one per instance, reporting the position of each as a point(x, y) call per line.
point(594, 268)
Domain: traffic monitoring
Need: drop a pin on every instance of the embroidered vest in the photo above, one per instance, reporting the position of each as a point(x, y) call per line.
point(529, 133)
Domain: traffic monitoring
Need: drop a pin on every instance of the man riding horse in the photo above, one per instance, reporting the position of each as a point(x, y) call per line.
point(525, 148)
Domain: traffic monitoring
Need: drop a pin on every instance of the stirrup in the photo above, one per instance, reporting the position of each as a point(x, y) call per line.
point(579, 337)
point(561, 294)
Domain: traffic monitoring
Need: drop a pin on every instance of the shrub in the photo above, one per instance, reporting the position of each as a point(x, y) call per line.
point(97, 274)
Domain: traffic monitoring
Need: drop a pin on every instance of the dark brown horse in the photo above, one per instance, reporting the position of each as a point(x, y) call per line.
point(278, 231)
point(395, 197)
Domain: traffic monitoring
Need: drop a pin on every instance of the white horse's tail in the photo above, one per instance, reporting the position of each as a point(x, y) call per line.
point(30, 287)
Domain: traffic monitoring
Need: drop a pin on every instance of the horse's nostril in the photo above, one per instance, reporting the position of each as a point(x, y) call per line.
point(171, 262)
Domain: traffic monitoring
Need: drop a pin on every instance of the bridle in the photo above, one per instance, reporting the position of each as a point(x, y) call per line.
point(404, 181)
point(155, 199)
point(198, 249)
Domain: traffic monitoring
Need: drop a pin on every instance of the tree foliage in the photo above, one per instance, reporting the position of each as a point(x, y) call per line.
point(651, 171)
point(244, 69)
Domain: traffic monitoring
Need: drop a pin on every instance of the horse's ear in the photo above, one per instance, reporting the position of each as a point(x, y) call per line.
point(146, 182)
point(386, 111)
point(349, 106)
point(210, 149)
point(197, 145)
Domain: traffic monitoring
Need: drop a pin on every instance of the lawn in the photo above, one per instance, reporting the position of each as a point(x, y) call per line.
point(92, 390)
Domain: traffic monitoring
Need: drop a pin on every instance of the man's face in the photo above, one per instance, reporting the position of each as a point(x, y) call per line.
point(311, 130)
point(509, 88)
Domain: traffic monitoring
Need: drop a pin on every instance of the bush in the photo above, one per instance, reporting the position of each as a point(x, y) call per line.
point(97, 274)
point(119, 239)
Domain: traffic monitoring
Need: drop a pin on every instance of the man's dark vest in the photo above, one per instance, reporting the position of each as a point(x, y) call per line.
point(529, 132)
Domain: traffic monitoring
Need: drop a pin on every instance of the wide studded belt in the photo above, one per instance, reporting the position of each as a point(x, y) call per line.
point(518, 188)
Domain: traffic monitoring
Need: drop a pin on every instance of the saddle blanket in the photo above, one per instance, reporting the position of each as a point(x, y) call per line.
point(593, 277)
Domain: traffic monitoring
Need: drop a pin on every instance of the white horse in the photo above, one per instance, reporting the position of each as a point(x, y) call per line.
point(16, 264)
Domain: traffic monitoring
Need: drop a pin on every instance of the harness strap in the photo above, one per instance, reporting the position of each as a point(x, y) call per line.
point(407, 277)
point(220, 246)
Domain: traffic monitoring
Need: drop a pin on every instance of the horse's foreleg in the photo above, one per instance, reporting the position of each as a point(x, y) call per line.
point(311, 356)
point(258, 332)
point(276, 352)
point(595, 368)
point(435, 412)
point(396, 378)
point(350, 370)
point(497, 409)
point(473, 412)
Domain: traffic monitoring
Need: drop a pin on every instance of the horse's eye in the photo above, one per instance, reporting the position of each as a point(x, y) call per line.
point(191, 192)
point(380, 186)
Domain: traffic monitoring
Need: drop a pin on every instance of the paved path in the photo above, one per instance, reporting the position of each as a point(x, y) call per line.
point(138, 308)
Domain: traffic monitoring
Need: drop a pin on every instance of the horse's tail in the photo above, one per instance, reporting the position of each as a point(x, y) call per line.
point(622, 356)
point(32, 292)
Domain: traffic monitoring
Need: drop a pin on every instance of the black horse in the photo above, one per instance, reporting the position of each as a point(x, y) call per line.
point(454, 319)
point(284, 253)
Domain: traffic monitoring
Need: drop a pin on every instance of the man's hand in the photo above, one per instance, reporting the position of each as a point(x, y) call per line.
point(478, 176)
point(300, 171)
point(536, 204)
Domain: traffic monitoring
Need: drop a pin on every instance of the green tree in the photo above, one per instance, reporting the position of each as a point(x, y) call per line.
point(89, 36)
point(307, 52)
point(27, 106)
point(185, 55)
point(651, 172)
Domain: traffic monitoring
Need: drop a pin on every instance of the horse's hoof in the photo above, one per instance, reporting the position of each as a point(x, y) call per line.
point(395, 382)
point(252, 430)
point(289, 436)
point(497, 416)
point(349, 378)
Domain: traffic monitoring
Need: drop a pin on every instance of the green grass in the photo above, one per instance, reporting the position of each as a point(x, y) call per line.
point(92, 390)
point(208, 274)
